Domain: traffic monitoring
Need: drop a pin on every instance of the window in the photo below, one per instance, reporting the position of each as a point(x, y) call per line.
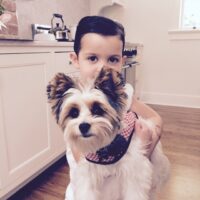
point(190, 14)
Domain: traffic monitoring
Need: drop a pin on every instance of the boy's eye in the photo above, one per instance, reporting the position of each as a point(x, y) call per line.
point(113, 60)
point(97, 110)
point(92, 58)
point(73, 113)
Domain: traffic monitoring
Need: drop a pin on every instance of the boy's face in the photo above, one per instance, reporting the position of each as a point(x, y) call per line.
point(98, 51)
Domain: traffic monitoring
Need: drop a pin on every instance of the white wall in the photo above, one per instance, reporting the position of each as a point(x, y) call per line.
point(171, 68)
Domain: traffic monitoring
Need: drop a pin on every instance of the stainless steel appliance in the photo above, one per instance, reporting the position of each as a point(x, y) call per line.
point(61, 32)
point(132, 67)
point(129, 68)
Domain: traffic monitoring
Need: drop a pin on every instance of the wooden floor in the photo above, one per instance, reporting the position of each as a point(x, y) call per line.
point(181, 142)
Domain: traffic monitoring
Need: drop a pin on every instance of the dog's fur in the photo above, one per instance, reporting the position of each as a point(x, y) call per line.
point(91, 115)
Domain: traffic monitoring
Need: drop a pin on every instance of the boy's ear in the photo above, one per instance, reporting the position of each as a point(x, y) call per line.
point(74, 59)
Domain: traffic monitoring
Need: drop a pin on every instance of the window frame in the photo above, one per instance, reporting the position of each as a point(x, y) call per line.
point(182, 33)
point(181, 18)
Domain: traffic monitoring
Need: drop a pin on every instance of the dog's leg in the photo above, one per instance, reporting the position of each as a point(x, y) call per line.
point(83, 186)
point(161, 169)
point(139, 187)
point(85, 191)
point(137, 173)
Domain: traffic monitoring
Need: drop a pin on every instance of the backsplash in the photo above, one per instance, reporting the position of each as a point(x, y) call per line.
point(40, 12)
point(8, 19)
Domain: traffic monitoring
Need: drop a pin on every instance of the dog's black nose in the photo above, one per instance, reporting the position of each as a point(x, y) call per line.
point(84, 128)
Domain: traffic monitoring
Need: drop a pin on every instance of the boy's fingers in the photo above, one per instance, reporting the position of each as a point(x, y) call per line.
point(149, 137)
point(138, 125)
point(143, 132)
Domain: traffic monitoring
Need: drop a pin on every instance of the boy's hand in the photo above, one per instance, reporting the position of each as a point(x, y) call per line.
point(148, 136)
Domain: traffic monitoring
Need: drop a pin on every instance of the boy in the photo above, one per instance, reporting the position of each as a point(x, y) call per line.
point(99, 42)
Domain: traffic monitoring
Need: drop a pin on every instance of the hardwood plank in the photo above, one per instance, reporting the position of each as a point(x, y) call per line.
point(50, 185)
point(181, 141)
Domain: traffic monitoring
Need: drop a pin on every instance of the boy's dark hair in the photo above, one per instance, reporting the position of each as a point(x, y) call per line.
point(99, 25)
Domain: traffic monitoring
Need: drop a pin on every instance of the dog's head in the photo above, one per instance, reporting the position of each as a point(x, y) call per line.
point(89, 114)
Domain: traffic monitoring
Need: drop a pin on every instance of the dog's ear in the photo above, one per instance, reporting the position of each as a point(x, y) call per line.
point(111, 83)
point(56, 91)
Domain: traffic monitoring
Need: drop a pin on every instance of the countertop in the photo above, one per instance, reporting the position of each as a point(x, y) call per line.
point(21, 46)
point(23, 43)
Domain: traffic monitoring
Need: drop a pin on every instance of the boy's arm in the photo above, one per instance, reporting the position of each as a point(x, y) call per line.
point(148, 137)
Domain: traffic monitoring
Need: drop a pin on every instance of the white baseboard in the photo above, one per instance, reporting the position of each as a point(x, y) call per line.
point(171, 99)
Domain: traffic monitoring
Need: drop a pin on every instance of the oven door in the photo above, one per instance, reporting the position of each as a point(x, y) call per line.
point(129, 72)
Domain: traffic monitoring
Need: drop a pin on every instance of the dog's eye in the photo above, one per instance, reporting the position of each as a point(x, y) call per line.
point(97, 110)
point(73, 113)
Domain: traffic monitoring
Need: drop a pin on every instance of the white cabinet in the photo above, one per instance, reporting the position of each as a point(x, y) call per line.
point(29, 137)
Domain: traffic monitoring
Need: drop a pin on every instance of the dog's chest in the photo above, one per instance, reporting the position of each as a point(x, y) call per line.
point(112, 171)
point(122, 166)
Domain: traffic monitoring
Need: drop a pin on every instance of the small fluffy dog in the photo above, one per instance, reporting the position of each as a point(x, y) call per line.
point(96, 120)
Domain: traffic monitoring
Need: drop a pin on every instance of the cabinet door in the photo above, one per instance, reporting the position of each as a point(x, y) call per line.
point(25, 132)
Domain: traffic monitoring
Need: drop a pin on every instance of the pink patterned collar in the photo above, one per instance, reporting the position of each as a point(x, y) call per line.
point(117, 148)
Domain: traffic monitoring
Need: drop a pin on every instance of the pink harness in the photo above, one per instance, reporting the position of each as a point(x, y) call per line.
point(117, 148)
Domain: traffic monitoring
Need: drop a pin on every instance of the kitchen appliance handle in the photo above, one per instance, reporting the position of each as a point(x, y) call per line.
point(56, 15)
point(129, 65)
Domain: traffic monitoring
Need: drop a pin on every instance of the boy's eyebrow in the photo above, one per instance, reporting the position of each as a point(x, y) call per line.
point(116, 55)
point(91, 53)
